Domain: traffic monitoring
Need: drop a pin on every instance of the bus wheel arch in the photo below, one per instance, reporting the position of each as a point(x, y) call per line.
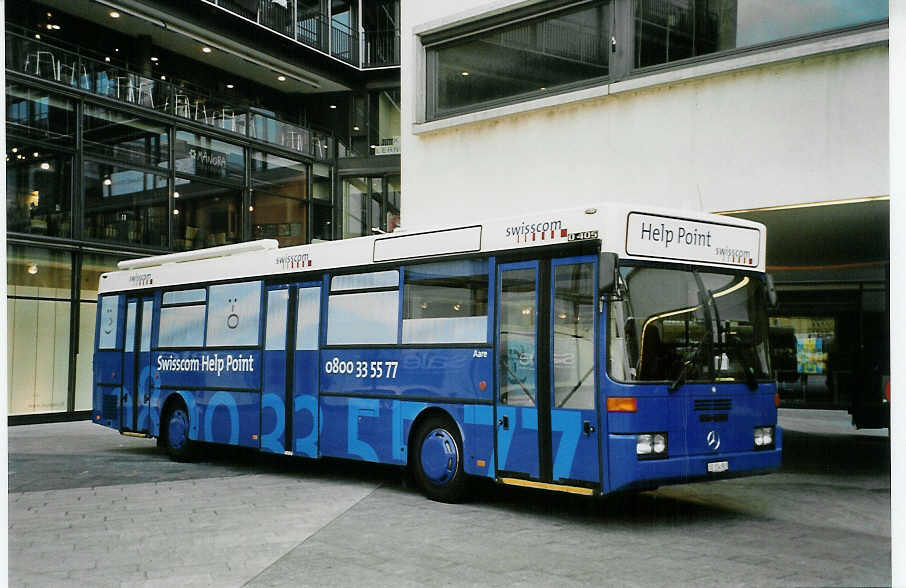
point(174, 429)
point(436, 458)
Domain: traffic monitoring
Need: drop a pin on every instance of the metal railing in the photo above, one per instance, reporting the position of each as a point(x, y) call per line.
point(382, 48)
point(315, 30)
point(71, 68)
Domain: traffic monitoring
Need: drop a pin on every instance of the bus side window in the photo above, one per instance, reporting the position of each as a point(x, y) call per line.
point(109, 322)
point(182, 318)
point(446, 303)
point(233, 314)
point(357, 317)
point(308, 319)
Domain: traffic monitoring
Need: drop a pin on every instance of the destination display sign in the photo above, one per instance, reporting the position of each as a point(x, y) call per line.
point(664, 237)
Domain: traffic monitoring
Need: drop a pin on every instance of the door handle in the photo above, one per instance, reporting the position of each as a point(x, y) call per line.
point(504, 422)
point(587, 428)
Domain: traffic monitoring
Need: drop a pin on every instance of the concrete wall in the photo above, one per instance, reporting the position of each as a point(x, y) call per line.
point(806, 130)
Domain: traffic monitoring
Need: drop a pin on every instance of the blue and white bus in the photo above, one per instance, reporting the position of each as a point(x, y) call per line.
point(587, 351)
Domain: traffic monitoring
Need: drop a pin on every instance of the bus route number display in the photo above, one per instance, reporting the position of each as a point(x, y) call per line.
point(372, 370)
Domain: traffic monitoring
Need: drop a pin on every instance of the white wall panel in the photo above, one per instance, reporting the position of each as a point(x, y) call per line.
point(809, 130)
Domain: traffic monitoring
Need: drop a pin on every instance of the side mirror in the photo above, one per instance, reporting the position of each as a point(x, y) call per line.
point(607, 273)
point(770, 291)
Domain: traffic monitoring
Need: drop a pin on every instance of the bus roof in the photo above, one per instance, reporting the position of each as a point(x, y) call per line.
point(632, 232)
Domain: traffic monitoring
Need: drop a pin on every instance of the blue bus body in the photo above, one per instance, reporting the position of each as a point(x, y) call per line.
point(512, 395)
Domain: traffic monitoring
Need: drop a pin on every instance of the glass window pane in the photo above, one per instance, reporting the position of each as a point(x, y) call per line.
point(233, 311)
point(361, 319)
point(446, 303)
point(279, 174)
point(527, 58)
point(184, 296)
point(320, 188)
point(129, 341)
point(38, 190)
point(355, 208)
point(147, 310)
point(309, 319)
point(322, 223)
point(38, 316)
point(118, 136)
point(204, 156)
point(276, 217)
point(574, 336)
point(125, 205)
point(385, 279)
point(31, 112)
point(679, 29)
point(275, 329)
point(205, 215)
point(516, 343)
point(181, 326)
point(109, 322)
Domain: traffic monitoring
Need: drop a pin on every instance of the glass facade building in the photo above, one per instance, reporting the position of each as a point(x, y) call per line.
point(127, 139)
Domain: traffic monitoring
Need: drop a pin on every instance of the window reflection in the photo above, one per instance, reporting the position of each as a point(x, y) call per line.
point(38, 186)
point(35, 113)
point(122, 137)
point(125, 205)
point(205, 215)
point(670, 30)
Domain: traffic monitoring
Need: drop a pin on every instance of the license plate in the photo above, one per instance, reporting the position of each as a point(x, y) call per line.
point(715, 467)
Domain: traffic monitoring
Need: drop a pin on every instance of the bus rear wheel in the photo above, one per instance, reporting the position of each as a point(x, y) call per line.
point(176, 436)
point(437, 461)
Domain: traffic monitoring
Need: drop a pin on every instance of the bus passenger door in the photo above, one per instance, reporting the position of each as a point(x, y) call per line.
point(574, 420)
point(547, 424)
point(306, 417)
point(136, 394)
point(517, 374)
point(276, 384)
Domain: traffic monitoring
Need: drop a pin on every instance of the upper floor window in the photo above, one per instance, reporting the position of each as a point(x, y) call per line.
point(670, 30)
point(522, 59)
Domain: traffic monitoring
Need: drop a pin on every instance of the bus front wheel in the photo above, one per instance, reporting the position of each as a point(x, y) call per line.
point(437, 460)
point(176, 437)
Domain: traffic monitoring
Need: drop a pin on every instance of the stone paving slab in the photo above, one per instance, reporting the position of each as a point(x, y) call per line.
point(91, 508)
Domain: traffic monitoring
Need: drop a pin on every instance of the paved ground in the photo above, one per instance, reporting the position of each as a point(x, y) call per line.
point(89, 507)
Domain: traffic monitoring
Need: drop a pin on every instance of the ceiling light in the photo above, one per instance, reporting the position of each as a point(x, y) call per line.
point(55, 27)
point(251, 209)
point(45, 166)
point(465, 73)
point(205, 49)
point(281, 78)
point(108, 181)
point(542, 88)
point(333, 106)
point(117, 50)
point(49, 27)
point(15, 149)
point(175, 212)
point(154, 59)
point(114, 14)
point(107, 59)
point(355, 128)
point(35, 154)
point(176, 194)
point(32, 268)
point(230, 86)
point(163, 77)
point(37, 36)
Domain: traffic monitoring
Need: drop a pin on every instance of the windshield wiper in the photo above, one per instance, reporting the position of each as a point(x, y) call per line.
point(747, 367)
point(688, 363)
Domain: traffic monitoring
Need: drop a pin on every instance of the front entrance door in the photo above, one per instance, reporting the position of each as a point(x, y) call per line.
point(137, 365)
point(547, 424)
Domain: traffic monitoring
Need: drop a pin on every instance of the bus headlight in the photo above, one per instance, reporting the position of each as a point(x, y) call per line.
point(651, 445)
point(764, 437)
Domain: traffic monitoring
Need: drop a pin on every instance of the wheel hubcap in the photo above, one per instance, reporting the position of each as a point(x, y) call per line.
point(439, 457)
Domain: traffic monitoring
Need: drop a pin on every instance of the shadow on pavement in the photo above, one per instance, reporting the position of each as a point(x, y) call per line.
point(821, 453)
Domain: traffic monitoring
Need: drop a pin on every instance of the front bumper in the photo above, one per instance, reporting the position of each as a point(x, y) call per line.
point(628, 472)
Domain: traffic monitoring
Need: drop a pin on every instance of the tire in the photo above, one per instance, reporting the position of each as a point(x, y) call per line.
point(437, 461)
point(176, 435)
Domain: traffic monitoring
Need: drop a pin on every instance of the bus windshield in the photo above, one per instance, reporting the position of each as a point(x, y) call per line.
point(681, 325)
